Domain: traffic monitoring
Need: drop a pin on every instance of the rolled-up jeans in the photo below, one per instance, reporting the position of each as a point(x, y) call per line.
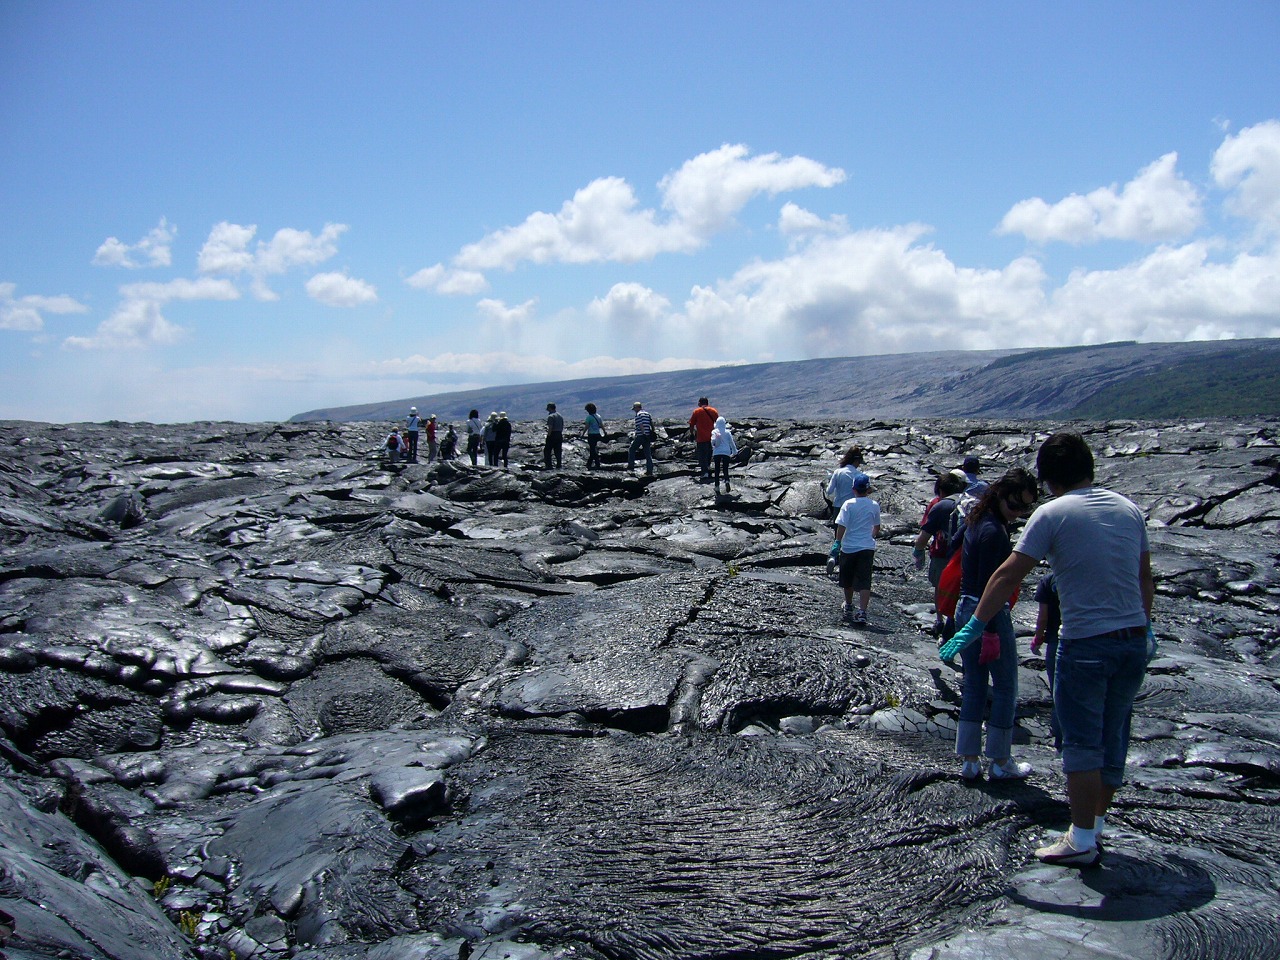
point(1094, 685)
point(1002, 677)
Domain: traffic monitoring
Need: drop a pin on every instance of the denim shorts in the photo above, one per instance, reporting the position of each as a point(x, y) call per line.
point(1094, 685)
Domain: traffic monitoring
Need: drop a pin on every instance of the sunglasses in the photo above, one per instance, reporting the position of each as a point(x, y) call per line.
point(1018, 505)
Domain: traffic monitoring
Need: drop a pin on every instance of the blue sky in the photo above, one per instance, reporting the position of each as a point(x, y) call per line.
point(245, 210)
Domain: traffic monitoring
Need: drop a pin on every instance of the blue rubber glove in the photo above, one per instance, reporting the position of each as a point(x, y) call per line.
point(917, 554)
point(835, 549)
point(1153, 645)
point(969, 633)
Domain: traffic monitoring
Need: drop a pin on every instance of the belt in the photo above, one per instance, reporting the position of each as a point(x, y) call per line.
point(1129, 633)
point(1124, 633)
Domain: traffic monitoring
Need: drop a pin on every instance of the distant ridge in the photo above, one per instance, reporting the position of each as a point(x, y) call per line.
point(1227, 378)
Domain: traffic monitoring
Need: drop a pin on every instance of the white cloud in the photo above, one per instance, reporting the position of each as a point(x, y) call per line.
point(204, 288)
point(27, 313)
point(443, 280)
point(463, 282)
point(1249, 163)
point(227, 251)
point(605, 222)
point(138, 321)
point(1156, 205)
point(154, 249)
point(709, 190)
point(340, 290)
point(112, 253)
point(1175, 293)
point(512, 367)
point(629, 306)
point(795, 221)
point(886, 291)
point(601, 222)
point(291, 248)
point(871, 291)
point(504, 318)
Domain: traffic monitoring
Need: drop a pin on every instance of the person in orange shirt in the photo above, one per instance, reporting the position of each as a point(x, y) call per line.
point(701, 423)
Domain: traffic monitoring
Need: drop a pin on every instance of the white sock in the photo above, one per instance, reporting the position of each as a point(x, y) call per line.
point(1082, 839)
point(1099, 824)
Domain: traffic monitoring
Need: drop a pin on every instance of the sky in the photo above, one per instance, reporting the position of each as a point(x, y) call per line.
point(242, 211)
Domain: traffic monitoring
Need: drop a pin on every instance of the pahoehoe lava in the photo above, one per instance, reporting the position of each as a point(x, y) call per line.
point(261, 693)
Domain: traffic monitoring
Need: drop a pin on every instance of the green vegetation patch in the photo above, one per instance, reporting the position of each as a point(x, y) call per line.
point(1032, 355)
point(1230, 385)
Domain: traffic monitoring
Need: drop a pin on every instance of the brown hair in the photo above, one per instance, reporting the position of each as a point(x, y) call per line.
point(852, 457)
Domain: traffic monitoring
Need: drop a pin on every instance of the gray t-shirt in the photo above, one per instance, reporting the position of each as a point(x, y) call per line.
point(1094, 540)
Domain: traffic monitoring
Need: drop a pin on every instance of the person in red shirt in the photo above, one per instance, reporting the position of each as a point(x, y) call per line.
point(701, 423)
point(432, 447)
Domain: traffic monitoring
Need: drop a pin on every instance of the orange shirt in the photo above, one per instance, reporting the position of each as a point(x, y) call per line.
point(704, 421)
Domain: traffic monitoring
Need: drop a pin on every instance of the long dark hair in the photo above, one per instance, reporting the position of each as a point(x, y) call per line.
point(1015, 482)
point(852, 457)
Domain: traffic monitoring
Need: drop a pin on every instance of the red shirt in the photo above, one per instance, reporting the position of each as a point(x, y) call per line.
point(704, 421)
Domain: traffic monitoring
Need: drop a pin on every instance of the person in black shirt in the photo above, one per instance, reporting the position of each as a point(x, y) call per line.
point(986, 545)
point(555, 438)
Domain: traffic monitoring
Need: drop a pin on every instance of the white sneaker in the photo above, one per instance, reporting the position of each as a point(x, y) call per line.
point(971, 770)
point(1009, 770)
point(1062, 854)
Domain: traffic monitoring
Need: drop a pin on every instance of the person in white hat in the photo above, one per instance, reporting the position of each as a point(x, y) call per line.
point(412, 425)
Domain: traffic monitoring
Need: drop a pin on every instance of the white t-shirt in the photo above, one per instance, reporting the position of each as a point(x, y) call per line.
point(859, 516)
point(1094, 539)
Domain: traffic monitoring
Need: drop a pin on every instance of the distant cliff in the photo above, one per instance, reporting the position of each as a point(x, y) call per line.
point(1223, 378)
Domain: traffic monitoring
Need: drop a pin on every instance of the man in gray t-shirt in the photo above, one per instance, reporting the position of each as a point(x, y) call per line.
point(1094, 540)
point(1096, 543)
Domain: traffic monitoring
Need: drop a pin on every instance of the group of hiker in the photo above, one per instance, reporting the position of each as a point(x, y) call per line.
point(1094, 617)
point(713, 438)
point(404, 446)
point(1093, 620)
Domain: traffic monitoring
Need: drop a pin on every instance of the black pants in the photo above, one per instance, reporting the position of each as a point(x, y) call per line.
point(704, 459)
point(554, 445)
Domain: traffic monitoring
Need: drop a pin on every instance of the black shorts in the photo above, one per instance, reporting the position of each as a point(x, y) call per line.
point(855, 569)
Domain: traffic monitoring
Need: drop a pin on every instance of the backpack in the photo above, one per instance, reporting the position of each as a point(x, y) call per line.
point(955, 523)
point(939, 545)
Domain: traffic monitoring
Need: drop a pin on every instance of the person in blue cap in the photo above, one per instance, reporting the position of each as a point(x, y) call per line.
point(857, 528)
point(839, 489)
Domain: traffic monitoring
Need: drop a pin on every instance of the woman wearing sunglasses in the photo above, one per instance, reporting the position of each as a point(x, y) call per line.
point(994, 662)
